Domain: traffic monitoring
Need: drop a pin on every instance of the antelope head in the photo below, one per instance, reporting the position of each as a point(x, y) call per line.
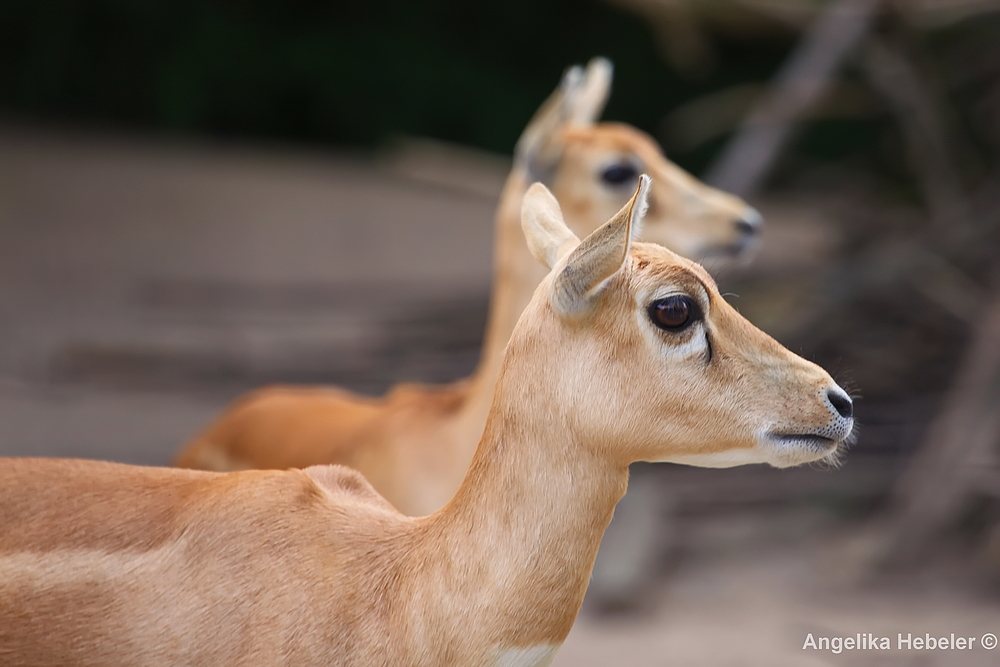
point(592, 168)
point(648, 362)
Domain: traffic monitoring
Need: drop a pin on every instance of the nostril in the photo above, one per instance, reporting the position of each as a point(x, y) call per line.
point(841, 402)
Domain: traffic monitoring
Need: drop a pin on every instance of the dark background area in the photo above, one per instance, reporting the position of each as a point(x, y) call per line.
point(359, 74)
point(344, 74)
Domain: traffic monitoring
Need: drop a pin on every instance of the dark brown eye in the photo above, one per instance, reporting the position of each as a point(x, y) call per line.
point(620, 174)
point(674, 312)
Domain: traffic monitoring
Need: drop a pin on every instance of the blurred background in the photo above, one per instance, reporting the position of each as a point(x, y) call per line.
point(197, 198)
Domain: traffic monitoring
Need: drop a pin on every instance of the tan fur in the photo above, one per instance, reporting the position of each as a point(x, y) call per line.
point(415, 446)
point(106, 564)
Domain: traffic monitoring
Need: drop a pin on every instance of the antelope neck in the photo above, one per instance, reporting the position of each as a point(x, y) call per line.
point(520, 537)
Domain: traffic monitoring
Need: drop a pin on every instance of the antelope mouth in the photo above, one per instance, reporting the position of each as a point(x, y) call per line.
point(793, 449)
point(810, 440)
point(742, 250)
point(736, 250)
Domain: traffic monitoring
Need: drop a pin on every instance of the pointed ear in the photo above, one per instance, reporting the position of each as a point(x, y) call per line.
point(592, 95)
point(579, 99)
point(537, 152)
point(598, 257)
point(549, 239)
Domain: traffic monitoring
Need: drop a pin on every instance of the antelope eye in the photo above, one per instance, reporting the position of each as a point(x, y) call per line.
point(619, 174)
point(674, 312)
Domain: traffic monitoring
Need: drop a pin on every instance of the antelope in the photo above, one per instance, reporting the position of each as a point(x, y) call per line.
point(415, 444)
point(625, 352)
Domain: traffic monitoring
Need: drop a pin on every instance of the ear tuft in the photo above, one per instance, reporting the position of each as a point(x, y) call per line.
point(545, 230)
point(640, 205)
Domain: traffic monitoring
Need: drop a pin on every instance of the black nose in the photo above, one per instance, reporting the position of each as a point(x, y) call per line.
point(746, 228)
point(841, 402)
point(749, 225)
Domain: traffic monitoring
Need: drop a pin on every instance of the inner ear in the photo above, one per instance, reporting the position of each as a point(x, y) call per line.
point(548, 237)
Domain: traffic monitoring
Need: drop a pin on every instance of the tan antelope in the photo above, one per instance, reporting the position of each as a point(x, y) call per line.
point(626, 352)
point(415, 444)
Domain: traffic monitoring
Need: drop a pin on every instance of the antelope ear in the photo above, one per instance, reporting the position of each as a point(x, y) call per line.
point(549, 239)
point(592, 94)
point(538, 151)
point(579, 99)
point(598, 257)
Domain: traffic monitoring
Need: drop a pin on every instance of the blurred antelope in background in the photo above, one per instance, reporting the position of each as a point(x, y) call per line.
point(625, 352)
point(414, 444)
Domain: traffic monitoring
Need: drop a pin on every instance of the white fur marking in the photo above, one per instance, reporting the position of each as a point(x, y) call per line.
point(726, 459)
point(640, 207)
point(536, 656)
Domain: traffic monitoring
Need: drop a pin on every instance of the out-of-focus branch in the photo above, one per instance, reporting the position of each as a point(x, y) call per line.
point(895, 78)
point(961, 438)
point(926, 13)
point(747, 159)
point(924, 262)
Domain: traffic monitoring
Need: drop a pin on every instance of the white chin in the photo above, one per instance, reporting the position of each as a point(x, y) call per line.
point(780, 453)
point(793, 451)
point(725, 459)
